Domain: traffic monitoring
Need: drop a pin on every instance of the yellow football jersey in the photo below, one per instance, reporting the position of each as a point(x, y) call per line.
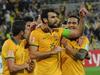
point(45, 42)
point(15, 51)
point(69, 65)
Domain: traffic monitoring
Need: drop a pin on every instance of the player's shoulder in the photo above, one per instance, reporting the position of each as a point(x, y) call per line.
point(7, 44)
point(36, 31)
point(8, 41)
point(60, 28)
point(85, 38)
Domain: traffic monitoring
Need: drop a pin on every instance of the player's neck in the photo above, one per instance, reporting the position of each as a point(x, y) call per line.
point(17, 39)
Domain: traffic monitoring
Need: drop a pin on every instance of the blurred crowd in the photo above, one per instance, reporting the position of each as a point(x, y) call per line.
point(11, 10)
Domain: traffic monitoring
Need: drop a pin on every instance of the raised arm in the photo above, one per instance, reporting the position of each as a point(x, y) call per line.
point(70, 34)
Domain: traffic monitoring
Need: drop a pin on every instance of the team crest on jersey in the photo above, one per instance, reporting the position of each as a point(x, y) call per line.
point(10, 53)
point(32, 39)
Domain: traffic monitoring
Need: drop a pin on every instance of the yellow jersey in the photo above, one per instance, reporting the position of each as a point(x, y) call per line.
point(15, 51)
point(45, 42)
point(68, 64)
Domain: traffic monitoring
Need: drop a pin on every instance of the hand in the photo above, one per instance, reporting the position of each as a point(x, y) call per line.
point(80, 40)
point(30, 66)
point(29, 69)
point(64, 41)
point(83, 11)
point(33, 25)
point(67, 46)
point(57, 49)
point(26, 66)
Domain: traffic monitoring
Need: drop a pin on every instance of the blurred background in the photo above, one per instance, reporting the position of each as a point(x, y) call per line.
point(17, 9)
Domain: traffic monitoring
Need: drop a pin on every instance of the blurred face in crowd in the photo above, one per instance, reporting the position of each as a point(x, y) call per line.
point(72, 23)
point(53, 20)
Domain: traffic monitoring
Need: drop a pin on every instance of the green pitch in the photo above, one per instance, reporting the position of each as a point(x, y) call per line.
point(93, 71)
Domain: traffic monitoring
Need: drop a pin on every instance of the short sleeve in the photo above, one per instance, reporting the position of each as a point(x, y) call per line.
point(7, 52)
point(33, 40)
point(85, 44)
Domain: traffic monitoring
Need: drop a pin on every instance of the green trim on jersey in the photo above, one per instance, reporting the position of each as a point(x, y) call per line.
point(66, 33)
point(9, 57)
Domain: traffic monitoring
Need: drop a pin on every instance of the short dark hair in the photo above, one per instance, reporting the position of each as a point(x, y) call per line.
point(18, 26)
point(74, 17)
point(28, 18)
point(45, 13)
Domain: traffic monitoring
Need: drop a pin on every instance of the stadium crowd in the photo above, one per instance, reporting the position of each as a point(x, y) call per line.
point(36, 39)
point(15, 9)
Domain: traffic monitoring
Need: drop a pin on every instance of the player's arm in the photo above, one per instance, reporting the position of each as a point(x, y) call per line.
point(82, 13)
point(34, 48)
point(13, 67)
point(69, 50)
point(78, 54)
point(83, 51)
point(35, 54)
point(76, 33)
point(67, 33)
point(82, 54)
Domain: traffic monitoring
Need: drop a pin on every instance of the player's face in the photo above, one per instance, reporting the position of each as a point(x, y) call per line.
point(27, 29)
point(30, 26)
point(72, 23)
point(27, 26)
point(53, 20)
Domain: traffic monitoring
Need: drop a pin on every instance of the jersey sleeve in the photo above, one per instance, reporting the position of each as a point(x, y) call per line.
point(85, 44)
point(7, 51)
point(33, 40)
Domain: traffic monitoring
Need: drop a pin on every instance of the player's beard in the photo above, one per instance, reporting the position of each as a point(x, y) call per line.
point(74, 38)
point(55, 25)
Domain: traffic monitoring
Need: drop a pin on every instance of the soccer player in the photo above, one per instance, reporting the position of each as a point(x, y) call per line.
point(76, 50)
point(14, 52)
point(29, 26)
point(45, 43)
